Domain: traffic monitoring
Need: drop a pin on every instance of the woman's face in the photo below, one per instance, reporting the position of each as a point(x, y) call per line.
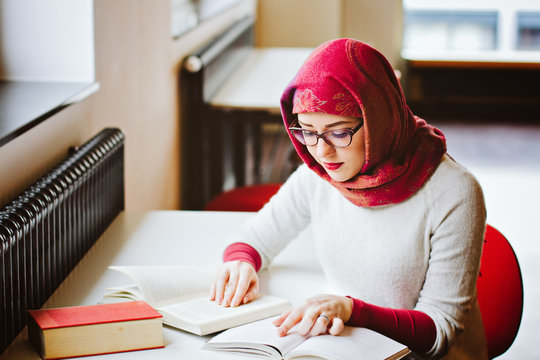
point(341, 164)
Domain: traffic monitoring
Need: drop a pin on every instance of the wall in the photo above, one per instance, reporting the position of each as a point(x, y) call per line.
point(297, 23)
point(137, 63)
point(378, 23)
point(308, 23)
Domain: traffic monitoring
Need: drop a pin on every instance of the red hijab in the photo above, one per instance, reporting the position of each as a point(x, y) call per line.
point(349, 78)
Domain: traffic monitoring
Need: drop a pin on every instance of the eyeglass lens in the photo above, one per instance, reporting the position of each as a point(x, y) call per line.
point(336, 138)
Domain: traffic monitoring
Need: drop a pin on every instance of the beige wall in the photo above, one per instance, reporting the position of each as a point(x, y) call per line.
point(26, 158)
point(298, 23)
point(308, 23)
point(137, 64)
point(378, 23)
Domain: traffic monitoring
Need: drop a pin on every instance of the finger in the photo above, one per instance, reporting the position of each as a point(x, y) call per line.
point(308, 321)
point(279, 320)
point(221, 281)
point(320, 326)
point(241, 289)
point(337, 326)
point(291, 320)
point(251, 294)
point(230, 289)
point(213, 291)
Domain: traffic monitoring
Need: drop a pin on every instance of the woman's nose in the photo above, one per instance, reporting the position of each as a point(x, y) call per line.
point(323, 149)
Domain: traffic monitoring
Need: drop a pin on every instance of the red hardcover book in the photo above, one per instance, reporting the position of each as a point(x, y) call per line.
point(95, 329)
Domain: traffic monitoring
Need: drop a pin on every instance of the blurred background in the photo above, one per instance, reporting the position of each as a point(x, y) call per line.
point(470, 67)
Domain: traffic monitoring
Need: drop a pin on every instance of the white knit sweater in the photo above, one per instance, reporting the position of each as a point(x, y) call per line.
point(421, 254)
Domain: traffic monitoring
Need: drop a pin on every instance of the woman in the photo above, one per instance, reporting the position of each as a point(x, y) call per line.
point(399, 223)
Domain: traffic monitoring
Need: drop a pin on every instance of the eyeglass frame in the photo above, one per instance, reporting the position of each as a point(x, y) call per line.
point(322, 135)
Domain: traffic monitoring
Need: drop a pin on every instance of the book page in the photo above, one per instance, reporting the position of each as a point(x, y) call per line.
point(122, 293)
point(252, 336)
point(164, 285)
point(201, 310)
point(353, 343)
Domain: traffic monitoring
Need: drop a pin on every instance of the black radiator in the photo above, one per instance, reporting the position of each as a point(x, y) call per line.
point(48, 228)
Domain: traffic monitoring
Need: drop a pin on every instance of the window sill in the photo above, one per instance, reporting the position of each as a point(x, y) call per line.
point(25, 104)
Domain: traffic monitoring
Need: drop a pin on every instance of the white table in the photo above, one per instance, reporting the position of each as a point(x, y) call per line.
point(259, 80)
point(172, 238)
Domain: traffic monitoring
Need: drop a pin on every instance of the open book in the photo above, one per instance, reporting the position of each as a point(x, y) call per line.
point(181, 295)
point(260, 339)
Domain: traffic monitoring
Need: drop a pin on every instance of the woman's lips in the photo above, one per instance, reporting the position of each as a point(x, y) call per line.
point(332, 166)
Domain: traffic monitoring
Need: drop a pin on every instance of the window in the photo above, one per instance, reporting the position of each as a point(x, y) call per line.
point(481, 29)
point(528, 37)
point(47, 60)
point(450, 30)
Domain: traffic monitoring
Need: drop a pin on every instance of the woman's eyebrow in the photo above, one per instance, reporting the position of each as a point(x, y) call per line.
point(304, 124)
point(337, 123)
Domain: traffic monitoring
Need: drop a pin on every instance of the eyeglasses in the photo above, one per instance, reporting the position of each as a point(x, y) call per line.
point(336, 138)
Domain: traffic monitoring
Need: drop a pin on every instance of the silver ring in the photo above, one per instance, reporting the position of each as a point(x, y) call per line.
point(325, 317)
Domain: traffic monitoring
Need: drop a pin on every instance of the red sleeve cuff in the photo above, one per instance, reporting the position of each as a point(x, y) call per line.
point(242, 252)
point(358, 317)
point(413, 328)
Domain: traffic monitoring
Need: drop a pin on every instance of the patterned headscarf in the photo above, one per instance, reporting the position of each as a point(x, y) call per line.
point(349, 78)
point(340, 103)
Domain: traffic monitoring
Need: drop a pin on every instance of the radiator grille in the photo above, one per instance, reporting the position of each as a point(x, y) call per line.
point(48, 228)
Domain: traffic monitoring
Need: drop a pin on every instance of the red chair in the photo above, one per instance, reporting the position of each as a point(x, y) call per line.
point(247, 198)
point(500, 292)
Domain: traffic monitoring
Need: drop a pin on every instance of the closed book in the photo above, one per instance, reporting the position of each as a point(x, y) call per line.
point(94, 329)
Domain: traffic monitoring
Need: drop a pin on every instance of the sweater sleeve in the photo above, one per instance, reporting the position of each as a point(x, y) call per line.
point(242, 252)
point(281, 220)
point(409, 327)
point(458, 219)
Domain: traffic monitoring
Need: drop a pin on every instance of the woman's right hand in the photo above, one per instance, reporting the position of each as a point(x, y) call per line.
point(236, 283)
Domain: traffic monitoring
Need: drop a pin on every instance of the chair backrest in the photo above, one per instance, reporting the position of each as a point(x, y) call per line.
point(247, 198)
point(500, 292)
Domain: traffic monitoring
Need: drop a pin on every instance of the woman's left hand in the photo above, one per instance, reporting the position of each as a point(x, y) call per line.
point(319, 314)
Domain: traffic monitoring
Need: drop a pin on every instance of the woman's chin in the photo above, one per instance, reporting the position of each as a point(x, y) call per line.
point(337, 176)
